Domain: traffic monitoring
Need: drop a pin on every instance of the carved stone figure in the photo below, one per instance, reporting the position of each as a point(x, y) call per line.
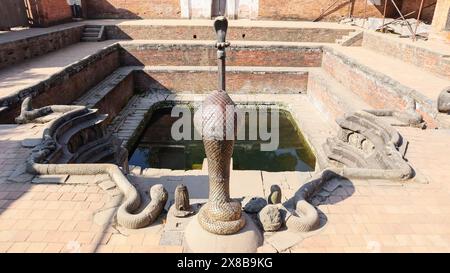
point(367, 147)
point(219, 215)
point(216, 120)
point(182, 206)
point(270, 218)
point(62, 146)
point(275, 195)
point(254, 204)
point(444, 101)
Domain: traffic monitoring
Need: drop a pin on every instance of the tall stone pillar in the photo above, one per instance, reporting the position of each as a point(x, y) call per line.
point(220, 225)
point(441, 22)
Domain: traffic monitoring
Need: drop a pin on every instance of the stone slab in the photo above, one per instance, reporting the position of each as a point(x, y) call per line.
point(198, 240)
point(171, 238)
point(31, 142)
point(246, 183)
point(50, 179)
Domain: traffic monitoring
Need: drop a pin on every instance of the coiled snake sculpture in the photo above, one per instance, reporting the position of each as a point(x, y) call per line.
point(216, 120)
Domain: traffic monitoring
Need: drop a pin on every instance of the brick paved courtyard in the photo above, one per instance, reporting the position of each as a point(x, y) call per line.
point(88, 90)
point(388, 217)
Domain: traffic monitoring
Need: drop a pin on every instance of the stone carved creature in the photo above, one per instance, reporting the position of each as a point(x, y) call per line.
point(220, 215)
point(443, 103)
point(28, 114)
point(254, 204)
point(182, 206)
point(404, 118)
point(275, 195)
point(216, 121)
point(408, 117)
point(46, 152)
point(270, 218)
point(366, 147)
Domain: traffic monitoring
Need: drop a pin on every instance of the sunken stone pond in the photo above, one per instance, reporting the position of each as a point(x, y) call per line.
point(157, 148)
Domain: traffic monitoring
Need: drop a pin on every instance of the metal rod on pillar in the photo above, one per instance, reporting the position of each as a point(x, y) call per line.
point(221, 26)
point(418, 19)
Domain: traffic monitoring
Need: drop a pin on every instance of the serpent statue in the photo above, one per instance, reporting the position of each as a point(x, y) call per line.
point(51, 150)
point(216, 121)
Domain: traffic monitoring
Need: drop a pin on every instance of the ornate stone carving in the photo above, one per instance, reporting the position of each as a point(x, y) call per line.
point(275, 195)
point(270, 218)
point(219, 215)
point(367, 147)
point(182, 206)
point(65, 138)
point(216, 120)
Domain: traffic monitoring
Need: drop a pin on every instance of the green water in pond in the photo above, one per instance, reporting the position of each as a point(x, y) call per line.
point(157, 149)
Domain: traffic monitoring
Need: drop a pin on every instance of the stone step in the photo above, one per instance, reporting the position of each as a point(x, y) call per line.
point(78, 126)
point(90, 39)
point(203, 53)
point(331, 97)
point(74, 126)
point(92, 28)
point(384, 82)
point(432, 57)
point(243, 30)
point(110, 95)
point(130, 123)
point(68, 125)
point(354, 38)
point(87, 151)
point(93, 33)
point(100, 155)
point(240, 79)
point(74, 69)
point(90, 34)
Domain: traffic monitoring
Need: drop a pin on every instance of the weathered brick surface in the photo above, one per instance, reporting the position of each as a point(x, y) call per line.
point(371, 91)
point(321, 95)
point(373, 88)
point(408, 52)
point(133, 9)
point(191, 32)
point(237, 82)
point(66, 86)
point(16, 51)
point(204, 55)
point(268, 9)
point(117, 98)
point(310, 10)
point(50, 12)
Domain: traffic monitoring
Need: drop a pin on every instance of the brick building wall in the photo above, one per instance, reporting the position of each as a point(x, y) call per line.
point(132, 9)
point(19, 50)
point(49, 12)
point(260, 9)
point(313, 9)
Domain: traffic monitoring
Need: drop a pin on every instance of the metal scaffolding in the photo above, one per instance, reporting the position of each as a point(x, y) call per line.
point(403, 17)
